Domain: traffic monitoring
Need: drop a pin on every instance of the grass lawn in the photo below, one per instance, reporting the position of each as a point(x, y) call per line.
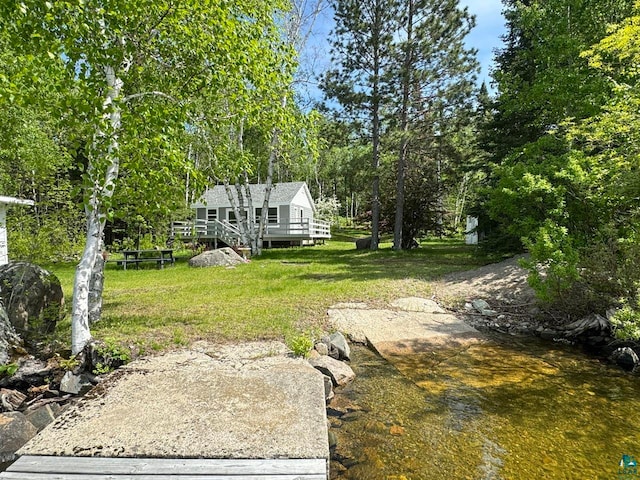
point(282, 294)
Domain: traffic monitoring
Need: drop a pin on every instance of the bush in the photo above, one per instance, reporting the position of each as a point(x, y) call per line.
point(626, 323)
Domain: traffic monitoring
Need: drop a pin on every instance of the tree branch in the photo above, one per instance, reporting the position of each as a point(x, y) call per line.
point(146, 94)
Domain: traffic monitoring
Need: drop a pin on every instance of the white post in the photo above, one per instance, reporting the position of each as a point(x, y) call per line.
point(4, 253)
point(471, 233)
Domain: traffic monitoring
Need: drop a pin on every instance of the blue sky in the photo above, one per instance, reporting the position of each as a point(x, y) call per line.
point(486, 35)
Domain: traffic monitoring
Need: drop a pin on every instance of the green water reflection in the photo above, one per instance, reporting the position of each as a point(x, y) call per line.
point(500, 410)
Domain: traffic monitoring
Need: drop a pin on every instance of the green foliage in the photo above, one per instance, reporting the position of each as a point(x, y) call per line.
point(8, 369)
point(68, 364)
point(572, 194)
point(300, 345)
point(542, 80)
point(553, 246)
point(111, 355)
point(626, 323)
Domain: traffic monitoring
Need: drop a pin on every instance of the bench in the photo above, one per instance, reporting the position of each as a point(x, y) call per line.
point(35, 467)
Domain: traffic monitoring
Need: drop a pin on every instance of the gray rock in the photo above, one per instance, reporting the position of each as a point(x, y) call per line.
point(33, 299)
point(9, 339)
point(363, 243)
point(322, 348)
point(331, 348)
point(549, 334)
point(592, 323)
point(339, 372)
point(483, 308)
point(333, 439)
point(221, 257)
point(75, 384)
point(15, 431)
point(358, 336)
point(41, 417)
point(340, 343)
point(328, 389)
point(11, 399)
point(31, 371)
point(417, 304)
point(625, 358)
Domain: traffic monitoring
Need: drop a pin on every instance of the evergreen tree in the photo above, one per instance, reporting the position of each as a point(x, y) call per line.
point(362, 82)
point(541, 80)
point(437, 78)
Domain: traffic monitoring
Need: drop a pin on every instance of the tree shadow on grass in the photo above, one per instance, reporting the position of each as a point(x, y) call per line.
point(425, 263)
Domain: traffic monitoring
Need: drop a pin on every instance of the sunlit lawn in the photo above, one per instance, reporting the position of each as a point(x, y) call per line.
point(282, 294)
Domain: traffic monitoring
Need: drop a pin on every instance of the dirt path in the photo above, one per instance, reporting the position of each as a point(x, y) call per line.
point(504, 282)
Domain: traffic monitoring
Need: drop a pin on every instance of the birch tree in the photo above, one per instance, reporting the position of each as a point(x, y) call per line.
point(269, 112)
point(132, 64)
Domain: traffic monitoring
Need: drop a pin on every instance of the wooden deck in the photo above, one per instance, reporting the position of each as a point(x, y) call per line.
point(31, 467)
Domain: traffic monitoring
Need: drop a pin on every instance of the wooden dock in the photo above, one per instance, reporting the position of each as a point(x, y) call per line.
point(99, 468)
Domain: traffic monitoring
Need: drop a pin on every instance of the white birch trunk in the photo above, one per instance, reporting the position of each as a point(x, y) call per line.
point(256, 248)
point(80, 332)
point(236, 209)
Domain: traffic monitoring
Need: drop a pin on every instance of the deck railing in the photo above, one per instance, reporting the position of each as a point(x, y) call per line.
point(228, 232)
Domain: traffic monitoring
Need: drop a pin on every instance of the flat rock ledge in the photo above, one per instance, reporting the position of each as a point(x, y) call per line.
point(247, 402)
point(408, 326)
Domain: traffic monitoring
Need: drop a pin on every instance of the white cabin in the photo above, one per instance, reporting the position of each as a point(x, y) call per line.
point(291, 217)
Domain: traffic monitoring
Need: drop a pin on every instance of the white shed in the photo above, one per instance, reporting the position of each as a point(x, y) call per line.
point(4, 203)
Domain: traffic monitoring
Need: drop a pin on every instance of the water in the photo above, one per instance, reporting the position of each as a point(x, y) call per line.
point(507, 409)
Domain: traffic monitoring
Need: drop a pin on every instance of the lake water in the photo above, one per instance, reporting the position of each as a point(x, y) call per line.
point(506, 409)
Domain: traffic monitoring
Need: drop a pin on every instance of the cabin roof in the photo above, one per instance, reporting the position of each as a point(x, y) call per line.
point(281, 194)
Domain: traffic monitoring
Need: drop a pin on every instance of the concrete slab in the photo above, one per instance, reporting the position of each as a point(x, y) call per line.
point(258, 404)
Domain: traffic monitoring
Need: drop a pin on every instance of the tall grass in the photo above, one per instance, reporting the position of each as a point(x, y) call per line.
point(278, 295)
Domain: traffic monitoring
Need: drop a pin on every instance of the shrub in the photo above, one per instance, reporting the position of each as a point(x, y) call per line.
point(626, 323)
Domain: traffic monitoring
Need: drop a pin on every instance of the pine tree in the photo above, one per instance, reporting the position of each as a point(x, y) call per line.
point(362, 82)
point(437, 80)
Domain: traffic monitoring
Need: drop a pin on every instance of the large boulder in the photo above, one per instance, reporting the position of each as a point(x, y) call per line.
point(9, 339)
point(33, 299)
point(221, 257)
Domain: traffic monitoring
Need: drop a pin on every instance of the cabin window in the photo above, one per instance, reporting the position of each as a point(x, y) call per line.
point(272, 216)
point(212, 214)
point(232, 215)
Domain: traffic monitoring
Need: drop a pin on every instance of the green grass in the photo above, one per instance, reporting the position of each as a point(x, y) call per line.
point(280, 295)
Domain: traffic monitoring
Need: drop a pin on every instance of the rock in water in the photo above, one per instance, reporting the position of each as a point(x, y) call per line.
point(33, 299)
point(625, 358)
point(340, 343)
point(339, 372)
point(222, 257)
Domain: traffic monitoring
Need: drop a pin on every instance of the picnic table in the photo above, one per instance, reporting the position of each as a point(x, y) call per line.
point(136, 257)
